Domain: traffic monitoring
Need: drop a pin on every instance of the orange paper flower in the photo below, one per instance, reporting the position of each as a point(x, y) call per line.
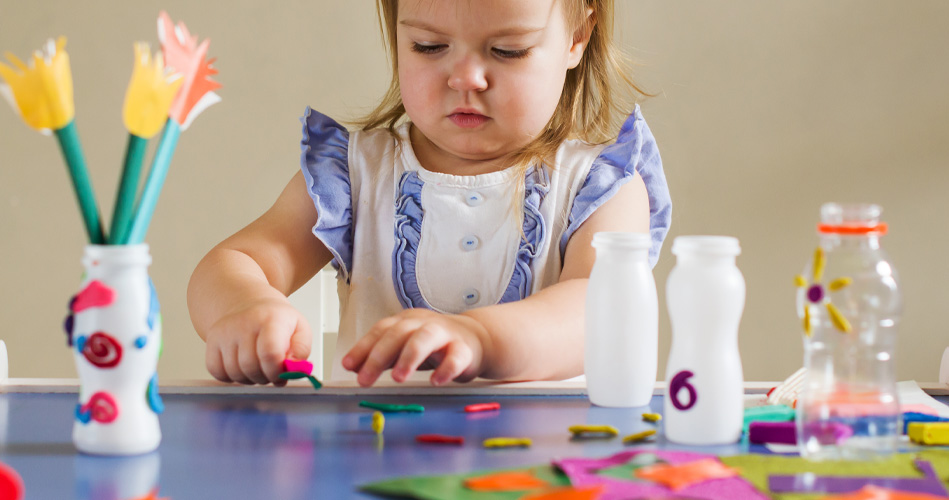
point(185, 56)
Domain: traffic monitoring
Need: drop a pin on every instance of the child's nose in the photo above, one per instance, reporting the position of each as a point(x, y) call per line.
point(468, 74)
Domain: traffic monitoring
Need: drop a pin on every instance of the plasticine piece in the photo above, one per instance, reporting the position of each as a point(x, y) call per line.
point(101, 407)
point(102, 350)
point(152, 396)
point(652, 417)
point(767, 413)
point(389, 408)
point(80, 343)
point(639, 437)
point(811, 483)
point(68, 325)
point(913, 417)
point(11, 484)
point(95, 294)
point(772, 432)
point(507, 442)
point(439, 439)
point(505, 481)
point(593, 430)
point(877, 493)
point(154, 308)
point(929, 433)
point(567, 493)
point(682, 476)
point(482, 407)
point(141, 341)
point(292, 375)
point(378, 422)
point(298, 365)
point(314, 382)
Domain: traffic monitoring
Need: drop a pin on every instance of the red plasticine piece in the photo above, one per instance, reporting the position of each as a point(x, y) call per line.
point(681, 476)
point(568, 493)
point(439, 439)
point(102, 350)
point(298, 365)
point(95, 294)
point(103, 407)
point(482, 407)
point(11, 484)
point(505, 481)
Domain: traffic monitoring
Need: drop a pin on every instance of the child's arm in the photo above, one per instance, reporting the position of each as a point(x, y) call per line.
point(237, 296)
point(538, 338)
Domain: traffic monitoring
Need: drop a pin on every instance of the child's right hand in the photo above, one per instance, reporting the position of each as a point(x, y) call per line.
point(248, 345)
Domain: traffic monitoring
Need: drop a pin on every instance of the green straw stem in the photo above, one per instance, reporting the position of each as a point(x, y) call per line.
point(128, 186)
point(76, 162)
point(154, 182)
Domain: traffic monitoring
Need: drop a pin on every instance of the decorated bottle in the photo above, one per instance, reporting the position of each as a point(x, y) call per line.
point(850, 304)
point(114, 329)
point(705, 295)
point(621, 339)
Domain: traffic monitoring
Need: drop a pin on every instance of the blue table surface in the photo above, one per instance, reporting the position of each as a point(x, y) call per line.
point(239, 446)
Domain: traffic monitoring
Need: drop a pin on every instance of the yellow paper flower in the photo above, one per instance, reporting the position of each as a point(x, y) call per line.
point(149, 94)
point(42, 92)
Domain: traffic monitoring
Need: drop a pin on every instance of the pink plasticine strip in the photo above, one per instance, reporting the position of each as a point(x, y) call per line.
point(298, 365)
point(95, 294)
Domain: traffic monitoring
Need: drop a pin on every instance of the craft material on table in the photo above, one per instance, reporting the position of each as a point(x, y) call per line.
point(588, 430)
point(440, 439)
point(929, 433)
point(811, 483)
point(378, 422)
point(639, 437)
point(479, 407)
point(878, 493)
point(393, 408)
point(507, 442)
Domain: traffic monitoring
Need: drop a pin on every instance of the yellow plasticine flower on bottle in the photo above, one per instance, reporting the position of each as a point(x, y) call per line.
point(150, 93)
point(42, 93)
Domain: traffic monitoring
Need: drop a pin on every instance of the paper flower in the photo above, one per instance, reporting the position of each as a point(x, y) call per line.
point(42, 92)
point(150, 93)
point(185, 56)
point(815, 295)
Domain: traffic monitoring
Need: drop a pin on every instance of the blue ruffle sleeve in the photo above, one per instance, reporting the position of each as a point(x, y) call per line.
point(634, 151)
point(324, 160)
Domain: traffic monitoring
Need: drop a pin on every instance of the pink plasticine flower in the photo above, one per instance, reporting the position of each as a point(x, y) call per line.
point(183, 55)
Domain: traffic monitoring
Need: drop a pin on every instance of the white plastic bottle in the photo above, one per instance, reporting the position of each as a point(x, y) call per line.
point(621, 342)
point(705, 295)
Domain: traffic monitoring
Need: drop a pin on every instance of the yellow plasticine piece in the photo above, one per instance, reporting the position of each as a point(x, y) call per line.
point(593, 429)
point(807, 321)
point(42, 93)
point(149, 94)
point(929, 433)
point(818, 264)
point(639, 436)
point(839, 283)
point(800, 281)
point(378, 422)
point(506, 442)
point(652, 417)
point(838, 318)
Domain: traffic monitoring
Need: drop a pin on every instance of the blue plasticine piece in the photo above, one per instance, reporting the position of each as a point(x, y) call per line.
point(141, 341)
point(154, 399)
point(153, 306)
point(80, 343)
point(912, 416)
point(83, 416)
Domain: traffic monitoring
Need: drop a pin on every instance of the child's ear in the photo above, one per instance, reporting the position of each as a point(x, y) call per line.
point(580, 39)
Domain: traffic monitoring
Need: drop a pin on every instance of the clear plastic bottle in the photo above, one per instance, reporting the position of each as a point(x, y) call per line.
point(621, 342)
point(850, 303)
point(705, 295)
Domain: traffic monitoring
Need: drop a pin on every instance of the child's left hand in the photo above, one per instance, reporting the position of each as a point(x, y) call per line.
point(451, 344)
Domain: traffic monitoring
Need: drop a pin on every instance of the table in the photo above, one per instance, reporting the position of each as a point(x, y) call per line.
point(234, 442)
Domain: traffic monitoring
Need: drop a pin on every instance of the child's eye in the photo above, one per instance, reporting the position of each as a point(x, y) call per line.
point(511, 54)
point(422, 48)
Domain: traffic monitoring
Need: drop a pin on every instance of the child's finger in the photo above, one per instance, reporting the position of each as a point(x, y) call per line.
point(458, 358)
point(385, 351)
point(248, 361)
point(271, 348)
point(419, 346)
point(214, 363)
point(356, 356)
point(232, 365)
point(301, 341)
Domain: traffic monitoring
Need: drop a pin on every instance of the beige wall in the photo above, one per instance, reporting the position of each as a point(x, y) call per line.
point(765, 110)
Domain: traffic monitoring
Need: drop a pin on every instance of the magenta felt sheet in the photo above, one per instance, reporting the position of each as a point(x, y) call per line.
point(581, 472)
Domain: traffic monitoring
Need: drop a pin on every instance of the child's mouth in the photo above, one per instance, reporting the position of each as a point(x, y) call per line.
point(467, 120)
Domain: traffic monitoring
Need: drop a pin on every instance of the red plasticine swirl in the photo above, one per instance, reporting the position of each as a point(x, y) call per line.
point(103, 406)
point(102, 350)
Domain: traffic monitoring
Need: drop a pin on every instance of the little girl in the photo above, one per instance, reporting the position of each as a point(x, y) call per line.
point(461, 234)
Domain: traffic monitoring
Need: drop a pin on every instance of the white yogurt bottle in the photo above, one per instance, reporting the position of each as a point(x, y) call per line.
point(621, 338)
point(705, 295)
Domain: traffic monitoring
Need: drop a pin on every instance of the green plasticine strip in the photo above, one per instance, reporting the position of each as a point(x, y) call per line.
point(128, 185)
point(153, 184)
point(387, 408)
point(297, 375)
point(314, 382)
point(76, 162)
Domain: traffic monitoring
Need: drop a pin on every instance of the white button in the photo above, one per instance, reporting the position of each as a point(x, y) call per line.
point(470, 242)
point(471, 296)
point(473, 198)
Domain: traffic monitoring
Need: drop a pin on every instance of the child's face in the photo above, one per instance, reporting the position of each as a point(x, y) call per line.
point(481, 78)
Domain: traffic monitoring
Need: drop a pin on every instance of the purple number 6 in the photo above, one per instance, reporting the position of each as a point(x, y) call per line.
point(680, 381)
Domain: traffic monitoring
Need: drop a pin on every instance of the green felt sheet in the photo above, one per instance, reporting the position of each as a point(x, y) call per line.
point(757, 468)
point(452, 486)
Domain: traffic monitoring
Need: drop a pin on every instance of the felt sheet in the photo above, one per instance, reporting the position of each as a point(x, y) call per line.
point(757, 468)
point(452, 486)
